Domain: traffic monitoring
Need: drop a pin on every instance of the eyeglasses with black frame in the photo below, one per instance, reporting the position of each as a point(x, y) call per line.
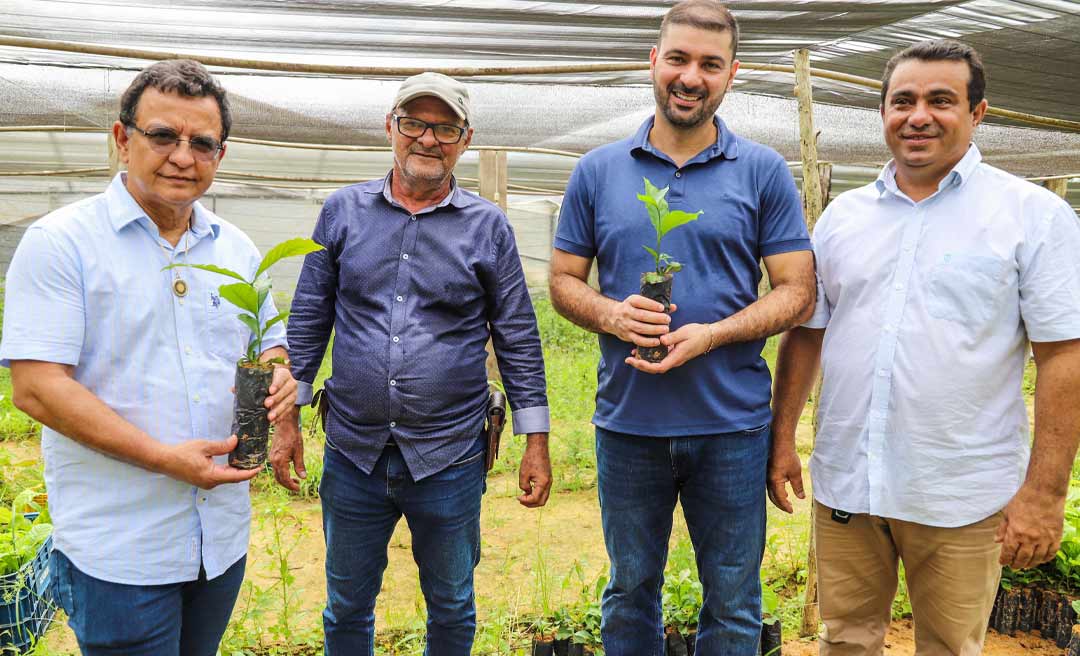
point(414, 128)
point(164, 141)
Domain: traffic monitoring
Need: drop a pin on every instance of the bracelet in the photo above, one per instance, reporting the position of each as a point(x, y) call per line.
point(710, 347)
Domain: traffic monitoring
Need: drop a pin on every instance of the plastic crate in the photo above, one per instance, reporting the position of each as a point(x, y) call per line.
point(26, 603)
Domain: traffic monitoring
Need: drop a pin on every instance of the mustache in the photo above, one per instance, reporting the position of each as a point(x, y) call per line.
point(418, 149)
point(685, 90)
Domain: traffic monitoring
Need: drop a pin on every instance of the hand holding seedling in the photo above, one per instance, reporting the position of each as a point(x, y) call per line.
point(1030, 531)
point(684, 344)
point(282, 397)
point(193, 462)
point(288, 448)
point(638, 320)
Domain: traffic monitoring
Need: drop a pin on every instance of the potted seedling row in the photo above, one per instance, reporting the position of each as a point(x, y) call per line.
point(251, 424)
point(657, 284)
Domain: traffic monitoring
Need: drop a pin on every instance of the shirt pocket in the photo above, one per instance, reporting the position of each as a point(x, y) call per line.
point(966, 288)
point(224, 335)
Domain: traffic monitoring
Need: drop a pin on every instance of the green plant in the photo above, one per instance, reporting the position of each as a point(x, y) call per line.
point(770, 602)
point(664, 220)
point(249, 295)
point(22, 537)
point(682, 598)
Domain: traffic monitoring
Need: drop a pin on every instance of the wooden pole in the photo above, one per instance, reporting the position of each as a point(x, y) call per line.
point(1059, 186)
point(814, 198)
point(493, 176)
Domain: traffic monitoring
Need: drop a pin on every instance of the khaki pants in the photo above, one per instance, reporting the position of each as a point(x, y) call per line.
point(952, 577)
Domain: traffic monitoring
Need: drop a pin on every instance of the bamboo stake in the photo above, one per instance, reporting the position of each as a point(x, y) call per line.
point(812, 206)
point(1059, 186)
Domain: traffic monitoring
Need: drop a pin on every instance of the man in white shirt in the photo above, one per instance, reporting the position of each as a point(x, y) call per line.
point(933, 280)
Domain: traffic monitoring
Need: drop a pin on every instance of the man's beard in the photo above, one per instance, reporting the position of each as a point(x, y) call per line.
point(681, 120)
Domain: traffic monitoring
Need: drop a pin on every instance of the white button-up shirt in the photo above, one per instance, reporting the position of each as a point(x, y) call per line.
point(85, 288)
point(928, 308)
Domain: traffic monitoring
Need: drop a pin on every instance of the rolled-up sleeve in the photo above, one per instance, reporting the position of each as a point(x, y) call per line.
point(44, 314)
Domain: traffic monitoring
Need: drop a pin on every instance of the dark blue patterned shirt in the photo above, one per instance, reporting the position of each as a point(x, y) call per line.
point(412, 299)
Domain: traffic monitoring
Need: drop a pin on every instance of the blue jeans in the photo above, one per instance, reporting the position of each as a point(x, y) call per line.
point(175, 619)
point(720, 480)
point(359, 514)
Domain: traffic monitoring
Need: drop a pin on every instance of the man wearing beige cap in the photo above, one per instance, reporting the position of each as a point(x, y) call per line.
point(416, 276)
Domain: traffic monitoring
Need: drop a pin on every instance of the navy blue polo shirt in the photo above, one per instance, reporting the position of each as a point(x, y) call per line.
point(751, 209)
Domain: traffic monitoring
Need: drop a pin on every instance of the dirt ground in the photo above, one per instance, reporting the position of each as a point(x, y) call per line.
point(901, 642)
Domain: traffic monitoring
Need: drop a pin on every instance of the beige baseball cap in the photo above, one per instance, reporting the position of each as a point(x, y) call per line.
point(444, 88)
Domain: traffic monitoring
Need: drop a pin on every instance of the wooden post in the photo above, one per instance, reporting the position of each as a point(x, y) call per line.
point(493, 176)
point(1058, 185)
point(815, 196)
point(114, 157)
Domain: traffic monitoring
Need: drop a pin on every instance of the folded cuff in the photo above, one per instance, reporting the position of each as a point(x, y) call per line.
point(304, 392)
point(532, 420)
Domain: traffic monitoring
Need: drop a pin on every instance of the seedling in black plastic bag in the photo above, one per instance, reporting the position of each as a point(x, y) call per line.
point(656, 284)
point(250, 422)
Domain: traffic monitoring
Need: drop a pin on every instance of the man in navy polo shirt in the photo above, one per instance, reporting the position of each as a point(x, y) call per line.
point(695, 426)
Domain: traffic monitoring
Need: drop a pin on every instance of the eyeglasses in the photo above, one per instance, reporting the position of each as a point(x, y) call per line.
point(445, 133)
point(164, 141)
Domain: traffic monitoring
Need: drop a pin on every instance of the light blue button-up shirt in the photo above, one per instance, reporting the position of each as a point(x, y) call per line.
point(85, 288)
point(928, 308)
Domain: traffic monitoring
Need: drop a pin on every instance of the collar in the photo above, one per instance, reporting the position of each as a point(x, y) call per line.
point(726, 145)
point(457, 196)
point(961, 173)
point(123, 210)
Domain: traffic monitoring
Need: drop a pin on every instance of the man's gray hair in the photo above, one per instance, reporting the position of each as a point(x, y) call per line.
point(183, 76)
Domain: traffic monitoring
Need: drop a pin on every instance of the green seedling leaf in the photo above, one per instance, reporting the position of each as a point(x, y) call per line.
point(653, 192)
point(263, 289)
point(279, 318)
point(674, 219)
point(653, 209)
point(250, 321)
point(287, 248)
point(655, 255)
point(242, 295)
point(209, 267)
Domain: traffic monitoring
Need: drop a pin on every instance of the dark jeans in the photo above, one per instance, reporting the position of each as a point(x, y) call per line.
point(176, 619)
point(359, 515)
point(720, 480)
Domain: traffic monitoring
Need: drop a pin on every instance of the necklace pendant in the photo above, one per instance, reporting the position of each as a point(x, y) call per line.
point(179, 287)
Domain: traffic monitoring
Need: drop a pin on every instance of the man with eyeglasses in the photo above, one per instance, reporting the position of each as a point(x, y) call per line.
point(416, 275)
point(129, 368)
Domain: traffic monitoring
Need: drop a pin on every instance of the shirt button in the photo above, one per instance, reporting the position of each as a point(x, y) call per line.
point(195, 398)
point(187, 349)
point(678, 174)
point(412, 218)
point(203, 499)
point(404, 256)
point(888, 328)
point(883, 372)
point(393, 424)
point(393, 382)
point(907, 249)
point(400, 299)
point(898, 287)
point(396, 339)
